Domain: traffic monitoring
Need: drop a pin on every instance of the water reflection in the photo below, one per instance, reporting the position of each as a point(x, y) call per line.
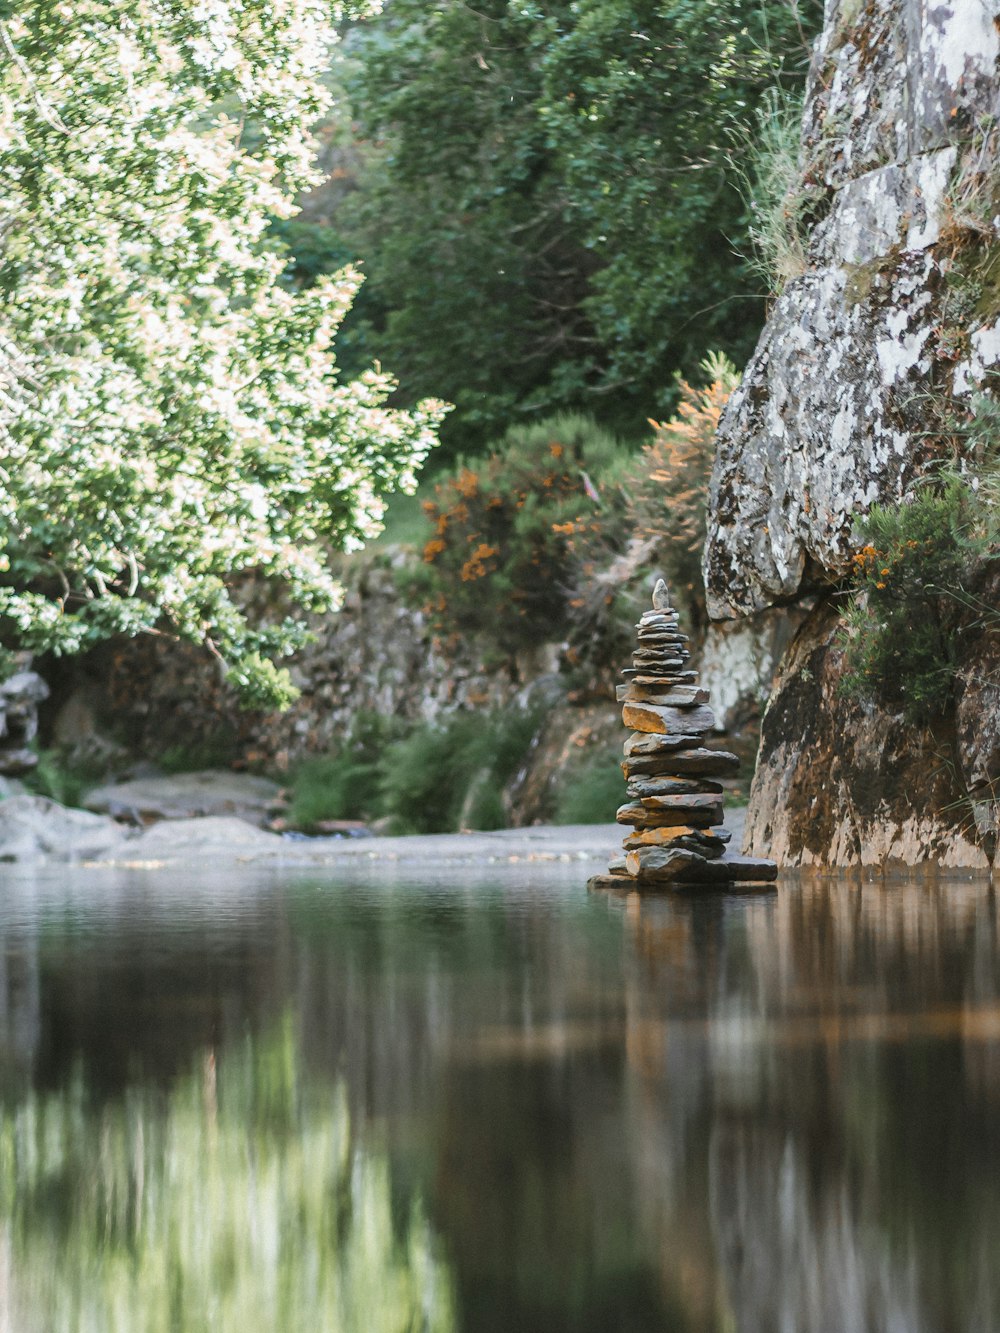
point(233, 1201)
point(372, 1106)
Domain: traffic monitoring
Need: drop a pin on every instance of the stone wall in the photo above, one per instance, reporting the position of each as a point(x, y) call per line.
point(20, 695)
point(376, 656)
point(379, 656)
point(840, 406)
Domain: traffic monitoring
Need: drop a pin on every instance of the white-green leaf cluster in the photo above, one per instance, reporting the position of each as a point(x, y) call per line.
point(170, 412)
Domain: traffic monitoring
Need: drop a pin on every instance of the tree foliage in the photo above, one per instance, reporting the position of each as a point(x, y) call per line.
point(170, 411)
point(547, 215)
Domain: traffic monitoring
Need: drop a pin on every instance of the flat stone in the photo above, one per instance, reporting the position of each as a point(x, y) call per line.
point(642, 816)
point(183, 795)
point(654, 624)
point(655, 665)
point(700, 840)
point(648, 743)
point(638, 788)
point(650, 657)
point(671, 683)
point(693, 759)
point(667, 721)
point(602, 883)
point(662, 692)
point(681, 866)
point(657, 638)
point(691, 802)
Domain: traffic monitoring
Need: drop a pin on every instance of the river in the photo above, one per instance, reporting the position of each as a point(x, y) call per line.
point(280, 1100)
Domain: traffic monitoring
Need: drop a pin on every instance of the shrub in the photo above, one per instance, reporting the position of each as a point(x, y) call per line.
point(499, 558)
point(773, 184)
point(592, 794)
point(667, 487)
point(915, 574)
point(443, 776)
point(346, 783)
point(64, 776)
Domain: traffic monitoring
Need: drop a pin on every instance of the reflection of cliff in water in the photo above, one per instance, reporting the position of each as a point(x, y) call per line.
point(841, 1102)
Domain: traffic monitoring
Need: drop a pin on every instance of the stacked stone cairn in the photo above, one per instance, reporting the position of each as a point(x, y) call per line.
point(674, 803)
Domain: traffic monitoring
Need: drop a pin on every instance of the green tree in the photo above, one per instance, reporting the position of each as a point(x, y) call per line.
point(547, 214)
point(170, 410)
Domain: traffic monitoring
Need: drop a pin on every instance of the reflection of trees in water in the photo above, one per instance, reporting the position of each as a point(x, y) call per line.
point(749, 1113)
point(837, 1048)
point(235, 1201)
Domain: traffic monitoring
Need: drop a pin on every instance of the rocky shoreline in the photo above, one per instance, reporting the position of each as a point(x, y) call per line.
point(35, 831)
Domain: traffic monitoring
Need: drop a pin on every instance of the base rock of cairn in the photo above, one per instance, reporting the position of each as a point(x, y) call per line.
point(674, 807)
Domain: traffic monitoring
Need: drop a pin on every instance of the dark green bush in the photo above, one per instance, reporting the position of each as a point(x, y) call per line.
point(64, 776)
point(915, 576)
point(346, 783)
point(442, 777)
point(593, 793)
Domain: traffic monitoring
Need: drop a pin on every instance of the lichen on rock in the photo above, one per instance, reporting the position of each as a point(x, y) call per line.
point(863, 356)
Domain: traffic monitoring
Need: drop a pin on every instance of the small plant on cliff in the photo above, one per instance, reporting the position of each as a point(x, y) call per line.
point(505, 532)
point(915, 573)
point(776, 190)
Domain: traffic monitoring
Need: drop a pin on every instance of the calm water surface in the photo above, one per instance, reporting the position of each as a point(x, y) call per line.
point(291, 1103)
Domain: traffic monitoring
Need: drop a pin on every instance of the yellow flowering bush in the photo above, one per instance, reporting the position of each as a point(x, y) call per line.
point(502, 551)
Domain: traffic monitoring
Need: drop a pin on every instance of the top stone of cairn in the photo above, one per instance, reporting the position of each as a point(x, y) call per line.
point(673, 799)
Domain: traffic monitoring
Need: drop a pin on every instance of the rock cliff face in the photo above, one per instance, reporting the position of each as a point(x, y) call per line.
point(893, 318)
